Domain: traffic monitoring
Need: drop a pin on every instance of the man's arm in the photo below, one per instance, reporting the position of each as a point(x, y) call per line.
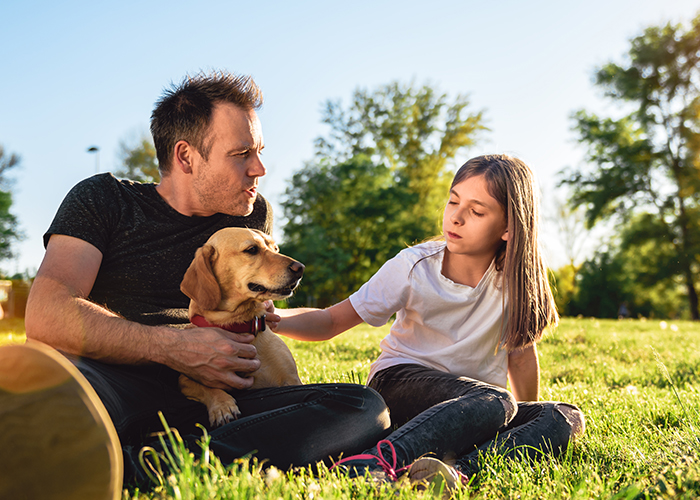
point(59, 314)
point(524, 373)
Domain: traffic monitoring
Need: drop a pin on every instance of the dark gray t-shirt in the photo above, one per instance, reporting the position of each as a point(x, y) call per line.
point(146, 245)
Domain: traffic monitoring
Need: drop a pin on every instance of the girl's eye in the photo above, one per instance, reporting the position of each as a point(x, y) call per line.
point(477, 213)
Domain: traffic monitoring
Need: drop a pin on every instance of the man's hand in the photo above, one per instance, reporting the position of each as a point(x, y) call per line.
point(60, 315)
point(214, 357)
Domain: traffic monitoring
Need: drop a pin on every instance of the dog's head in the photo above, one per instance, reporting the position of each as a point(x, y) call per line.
point(237, 267)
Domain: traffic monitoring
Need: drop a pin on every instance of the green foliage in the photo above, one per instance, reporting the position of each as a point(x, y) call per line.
point(648, 162)
point(640, 269)
point(344, 221)
point(564, 283)
point(9, 225)
point(602, 285)
point(415, 132)
point(378, 183)
point(139, 161)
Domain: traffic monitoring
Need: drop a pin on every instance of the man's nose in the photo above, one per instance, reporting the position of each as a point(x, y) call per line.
point(257, 169)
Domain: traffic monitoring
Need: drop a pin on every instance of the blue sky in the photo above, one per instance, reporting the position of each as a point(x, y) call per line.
point(77, 74)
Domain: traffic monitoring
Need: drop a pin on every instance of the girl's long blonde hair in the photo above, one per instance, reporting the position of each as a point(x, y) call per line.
point(531, 305)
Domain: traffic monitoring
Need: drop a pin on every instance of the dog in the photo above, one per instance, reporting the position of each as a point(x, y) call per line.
point(230, 277)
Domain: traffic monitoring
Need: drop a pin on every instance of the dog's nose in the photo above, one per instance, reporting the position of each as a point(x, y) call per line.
point(297, 268)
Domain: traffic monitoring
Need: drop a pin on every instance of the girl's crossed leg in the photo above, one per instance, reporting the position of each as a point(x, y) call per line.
point(527, 427)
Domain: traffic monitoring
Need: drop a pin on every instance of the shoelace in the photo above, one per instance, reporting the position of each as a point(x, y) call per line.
point(389, 468)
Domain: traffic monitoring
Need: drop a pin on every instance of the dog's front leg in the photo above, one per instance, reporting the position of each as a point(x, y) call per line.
point(220, 404)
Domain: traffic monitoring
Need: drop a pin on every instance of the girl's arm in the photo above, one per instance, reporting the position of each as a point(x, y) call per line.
point(317, 324)
point(524, 373)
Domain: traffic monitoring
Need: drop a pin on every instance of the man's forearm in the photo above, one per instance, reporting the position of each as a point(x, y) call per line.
point(67, 322)
point(75, 325)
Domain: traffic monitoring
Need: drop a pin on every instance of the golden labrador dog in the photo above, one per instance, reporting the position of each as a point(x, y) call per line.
point(229, 279)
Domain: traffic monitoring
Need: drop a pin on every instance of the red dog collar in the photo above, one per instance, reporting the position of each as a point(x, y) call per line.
point(253, 326)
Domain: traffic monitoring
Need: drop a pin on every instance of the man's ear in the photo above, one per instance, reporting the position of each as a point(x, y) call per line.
point(183, 154)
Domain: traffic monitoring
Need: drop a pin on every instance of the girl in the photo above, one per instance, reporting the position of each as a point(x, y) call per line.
point(469, 308)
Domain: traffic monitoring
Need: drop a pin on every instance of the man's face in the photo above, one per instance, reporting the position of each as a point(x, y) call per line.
point(228, 181)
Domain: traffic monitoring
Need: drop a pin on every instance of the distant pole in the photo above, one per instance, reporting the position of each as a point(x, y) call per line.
point(96, 150)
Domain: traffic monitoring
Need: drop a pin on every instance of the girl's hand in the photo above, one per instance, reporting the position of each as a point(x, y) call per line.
point(271, 319)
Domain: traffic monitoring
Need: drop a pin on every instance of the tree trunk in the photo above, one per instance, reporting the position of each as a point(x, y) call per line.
point(692, 295)
point(686, 262)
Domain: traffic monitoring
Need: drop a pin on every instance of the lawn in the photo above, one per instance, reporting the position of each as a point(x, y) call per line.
point(637, 382)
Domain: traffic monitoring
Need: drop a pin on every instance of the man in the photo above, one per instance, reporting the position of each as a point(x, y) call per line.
point(107, 294)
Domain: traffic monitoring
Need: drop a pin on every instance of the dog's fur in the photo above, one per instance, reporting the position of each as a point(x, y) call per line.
point(230, 277)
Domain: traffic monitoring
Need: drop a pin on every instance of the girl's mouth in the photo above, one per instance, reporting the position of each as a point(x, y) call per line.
point(453, 236)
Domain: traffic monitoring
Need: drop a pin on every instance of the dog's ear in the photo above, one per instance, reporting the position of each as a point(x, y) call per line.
point(199, 283)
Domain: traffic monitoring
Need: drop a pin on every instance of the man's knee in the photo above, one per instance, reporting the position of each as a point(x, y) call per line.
point(375, 409)
point(358, 402)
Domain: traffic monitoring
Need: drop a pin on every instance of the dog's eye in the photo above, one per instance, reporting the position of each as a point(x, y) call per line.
point(252, 250)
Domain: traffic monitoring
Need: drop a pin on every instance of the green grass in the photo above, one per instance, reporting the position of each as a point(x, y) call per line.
point(636, 381)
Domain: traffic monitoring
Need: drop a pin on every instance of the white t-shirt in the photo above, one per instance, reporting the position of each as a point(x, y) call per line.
point(439, 323)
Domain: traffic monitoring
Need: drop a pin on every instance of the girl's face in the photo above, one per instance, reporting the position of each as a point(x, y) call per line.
point(474, 222)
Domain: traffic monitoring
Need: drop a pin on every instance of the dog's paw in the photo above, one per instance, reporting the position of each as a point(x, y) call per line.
point(225, 410)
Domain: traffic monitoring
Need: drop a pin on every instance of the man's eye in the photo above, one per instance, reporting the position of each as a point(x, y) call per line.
point(252, 250)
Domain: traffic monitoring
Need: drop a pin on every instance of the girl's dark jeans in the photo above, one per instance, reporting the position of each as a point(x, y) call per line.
point(470, 416)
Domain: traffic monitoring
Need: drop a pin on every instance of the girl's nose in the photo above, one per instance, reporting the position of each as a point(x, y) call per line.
point(456, 217)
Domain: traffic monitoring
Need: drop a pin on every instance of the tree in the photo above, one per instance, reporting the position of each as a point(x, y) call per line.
point(378, 183)
point(139, 161)
point(602, 286)
point(648, 161)
point(343, 222)
point(9, 226)
point(642, 274)
point(415, 132)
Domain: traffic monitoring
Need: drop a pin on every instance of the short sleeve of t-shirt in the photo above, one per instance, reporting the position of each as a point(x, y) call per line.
point(385, 293)
point(88, 212)
point(146, 245)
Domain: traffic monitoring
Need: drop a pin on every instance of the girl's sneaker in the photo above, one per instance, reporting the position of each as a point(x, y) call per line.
point(432, 474)
point(426, 473)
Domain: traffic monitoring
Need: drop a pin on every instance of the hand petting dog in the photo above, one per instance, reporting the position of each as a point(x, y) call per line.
point(231, 284)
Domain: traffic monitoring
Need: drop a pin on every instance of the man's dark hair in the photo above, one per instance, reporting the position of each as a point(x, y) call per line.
point(184, 111)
